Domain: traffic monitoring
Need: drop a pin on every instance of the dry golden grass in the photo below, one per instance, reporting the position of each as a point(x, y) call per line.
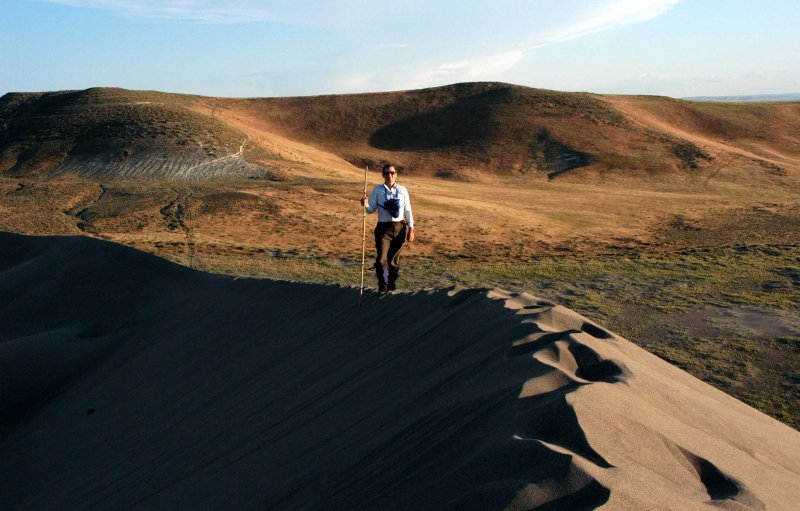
point(464, 132)
point(661, 173)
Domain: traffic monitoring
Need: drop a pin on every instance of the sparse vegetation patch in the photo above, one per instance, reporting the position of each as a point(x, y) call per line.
point(690, 155)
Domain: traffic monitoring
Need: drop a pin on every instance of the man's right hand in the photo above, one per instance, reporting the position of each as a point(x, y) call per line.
point(364, 200)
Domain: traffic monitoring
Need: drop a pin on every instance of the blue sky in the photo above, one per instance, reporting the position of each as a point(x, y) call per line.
point(286, 48)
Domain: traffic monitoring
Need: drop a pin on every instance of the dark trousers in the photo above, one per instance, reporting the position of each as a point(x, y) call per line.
point(389, 239)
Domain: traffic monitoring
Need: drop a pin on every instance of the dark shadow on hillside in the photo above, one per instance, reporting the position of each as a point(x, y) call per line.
point(486, 125)
point(468, 120)
point(555, 157)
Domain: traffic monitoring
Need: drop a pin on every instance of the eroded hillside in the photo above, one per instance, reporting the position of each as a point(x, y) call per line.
point(112, 133)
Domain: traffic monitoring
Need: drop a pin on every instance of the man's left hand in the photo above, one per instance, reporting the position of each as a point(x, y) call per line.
point(410, 235)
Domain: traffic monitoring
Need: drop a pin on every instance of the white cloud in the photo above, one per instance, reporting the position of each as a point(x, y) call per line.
point(190, 10)
point(363, 16)
point(598, 17)
point(442, 42)
point(606, 16)
point(390, 46)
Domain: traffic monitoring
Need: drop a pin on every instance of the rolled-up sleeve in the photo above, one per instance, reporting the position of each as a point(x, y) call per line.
point(372, 204)
point(407, 214)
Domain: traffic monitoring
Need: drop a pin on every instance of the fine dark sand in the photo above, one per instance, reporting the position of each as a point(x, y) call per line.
point(130, 382)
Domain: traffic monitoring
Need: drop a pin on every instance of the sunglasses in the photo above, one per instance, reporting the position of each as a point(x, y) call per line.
point(387, 173)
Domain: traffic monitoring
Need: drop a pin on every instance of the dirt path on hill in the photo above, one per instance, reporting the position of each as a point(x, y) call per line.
point(186, 173)
point(262, 135)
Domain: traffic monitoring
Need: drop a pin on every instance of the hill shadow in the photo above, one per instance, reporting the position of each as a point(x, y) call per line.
point(468, 120)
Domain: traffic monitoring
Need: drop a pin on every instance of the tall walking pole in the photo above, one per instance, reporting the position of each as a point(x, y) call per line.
point(363, 239)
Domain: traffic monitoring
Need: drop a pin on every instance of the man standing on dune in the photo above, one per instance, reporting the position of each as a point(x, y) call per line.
point(395, 226)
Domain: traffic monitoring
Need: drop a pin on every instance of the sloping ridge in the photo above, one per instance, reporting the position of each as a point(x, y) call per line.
point(767, 133)
point(507, 129)
point(110, 133)
point(456, 131)
point(487, 126)
point(129, 382)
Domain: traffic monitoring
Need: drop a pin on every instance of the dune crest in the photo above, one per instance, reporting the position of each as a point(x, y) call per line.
point(128, 381)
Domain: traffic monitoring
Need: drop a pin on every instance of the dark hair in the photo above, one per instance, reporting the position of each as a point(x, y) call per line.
point(387, 167)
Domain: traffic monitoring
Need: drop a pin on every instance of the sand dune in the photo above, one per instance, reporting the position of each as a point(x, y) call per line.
point(130, 382)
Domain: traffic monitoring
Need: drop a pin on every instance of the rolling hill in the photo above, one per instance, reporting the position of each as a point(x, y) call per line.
point(461, 131)
point(107, 133)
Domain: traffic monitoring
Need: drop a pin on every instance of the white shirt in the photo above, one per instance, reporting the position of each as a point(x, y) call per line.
point(381, 193)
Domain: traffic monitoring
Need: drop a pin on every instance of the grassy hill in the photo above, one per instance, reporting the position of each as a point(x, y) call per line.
point(509, 129)
point(459, 131)
point(770, 131)
point(108, 133)
point(447, 130)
